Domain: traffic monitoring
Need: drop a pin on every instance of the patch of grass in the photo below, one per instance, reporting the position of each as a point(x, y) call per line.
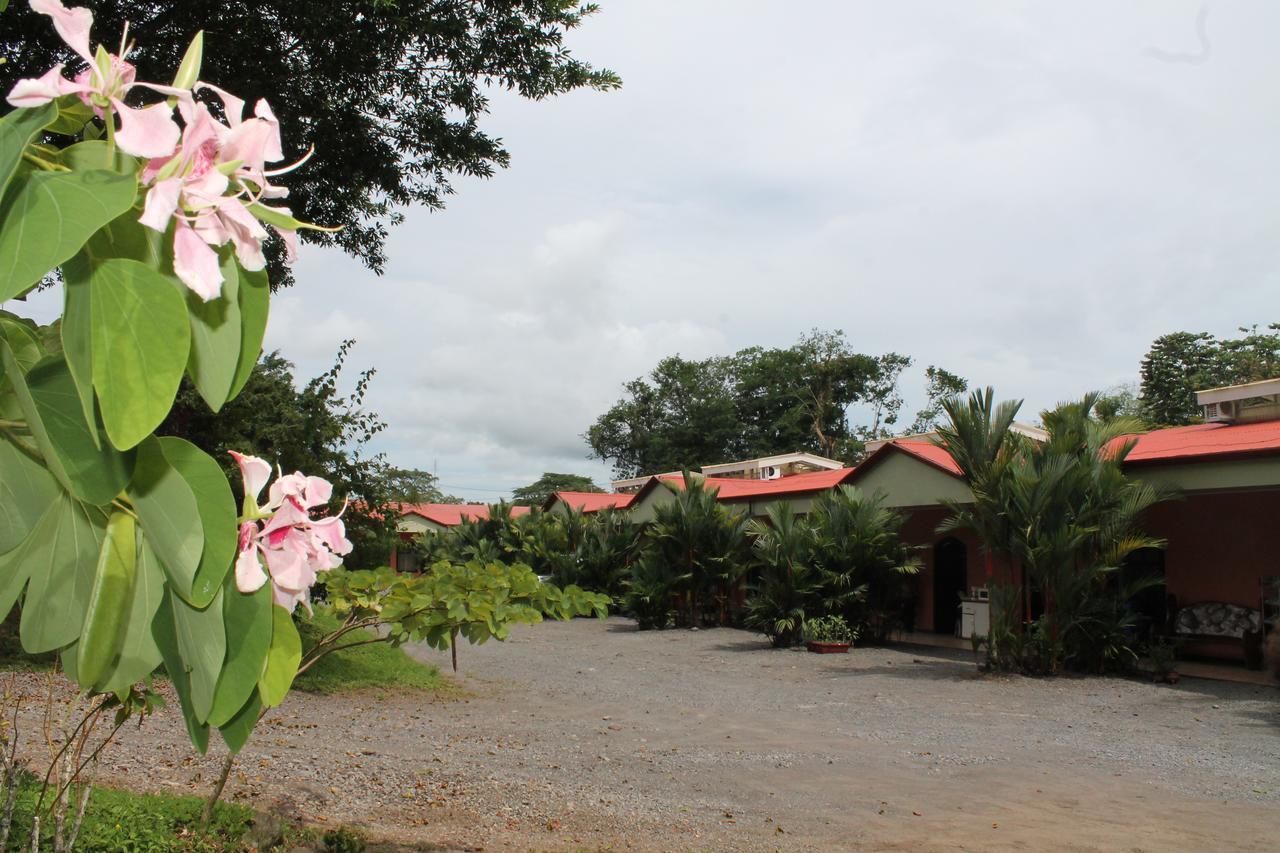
point(123, 820)
point(371, 666)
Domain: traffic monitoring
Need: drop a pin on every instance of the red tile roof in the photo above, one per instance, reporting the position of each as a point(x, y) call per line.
point(1204, 442)
point(451, 515)
point(733, 488)
point(591, 501)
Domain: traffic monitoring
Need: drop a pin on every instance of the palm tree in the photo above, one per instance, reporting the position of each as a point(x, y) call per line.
point(1065, 511)
point(862, 560)
point(786, 593)
point(704, 547)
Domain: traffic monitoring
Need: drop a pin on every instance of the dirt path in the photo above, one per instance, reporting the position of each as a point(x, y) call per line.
point(595, 735)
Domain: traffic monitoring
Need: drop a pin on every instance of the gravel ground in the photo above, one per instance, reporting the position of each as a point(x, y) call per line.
point(594, 735)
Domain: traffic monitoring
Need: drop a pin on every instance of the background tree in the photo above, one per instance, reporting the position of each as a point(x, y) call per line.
point(392, 91)
point(537, 492)
point(409, 485)
point(757, 402)
point(941, 385)
point(1179, 364)
point(318, 429)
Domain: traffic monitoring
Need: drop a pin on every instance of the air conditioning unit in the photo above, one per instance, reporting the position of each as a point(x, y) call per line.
point(1223, 412)
point(771, 472)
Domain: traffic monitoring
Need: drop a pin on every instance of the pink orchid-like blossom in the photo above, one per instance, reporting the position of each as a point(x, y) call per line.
point(144, 131)
point(281, 542)
point(213, 186)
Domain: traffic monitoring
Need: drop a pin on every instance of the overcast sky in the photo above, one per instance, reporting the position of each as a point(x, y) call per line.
point(1024, 193)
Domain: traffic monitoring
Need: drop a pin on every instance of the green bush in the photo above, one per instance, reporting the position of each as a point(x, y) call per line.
point(374, 665)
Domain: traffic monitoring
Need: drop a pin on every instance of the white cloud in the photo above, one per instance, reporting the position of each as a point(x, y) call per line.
point(1016, 191)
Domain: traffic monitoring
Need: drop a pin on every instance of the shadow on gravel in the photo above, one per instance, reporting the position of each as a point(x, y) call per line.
point(934, 670)
point(760, 645)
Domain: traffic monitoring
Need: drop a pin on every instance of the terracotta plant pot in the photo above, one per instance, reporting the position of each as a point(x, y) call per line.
point(826, 648)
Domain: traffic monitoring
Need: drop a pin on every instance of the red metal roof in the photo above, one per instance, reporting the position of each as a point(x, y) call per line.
point(451, 515)
point(1204, 441)
point(931, 453)
point(733, 488)
point(591, 501)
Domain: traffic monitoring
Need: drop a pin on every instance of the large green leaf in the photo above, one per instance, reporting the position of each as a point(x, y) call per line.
point(77, 331)
point(47, 216)
point(170, 516)
point(27, 489)
point(248, 620)
point(96, 154)
point(124, 237)
point(165, 631)
point(104, 620)
point(94, 471)
point(53, 415)
point(235, 732)
point(283, 658)
point(215, 337)
point(217, 509)
point(17, 564)
point(17, 129)
point(73, 114)
point(202, 642)
point(140, 338)
point(62, 575)
point(139, 654)
point(254, 297)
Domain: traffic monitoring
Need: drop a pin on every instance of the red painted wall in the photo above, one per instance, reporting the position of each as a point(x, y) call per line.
point(921, 529)
point(1219, 545)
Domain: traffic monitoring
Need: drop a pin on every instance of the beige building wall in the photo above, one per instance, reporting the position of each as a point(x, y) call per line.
point(907, 481)
point(1210, 476)
point(414, 524)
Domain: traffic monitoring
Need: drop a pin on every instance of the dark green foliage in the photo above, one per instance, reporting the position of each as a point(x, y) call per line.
point(1179, 364)
point(942, 385)
point(861, 560)
point(1065, 513)
point(391, 93)
point(537, 492)
point(787, 589)
point(758, 402)
point(605, 553)
point(592, 551)
point(317, 430)
point(698, 549)
point(409, 485)
point(344, 839)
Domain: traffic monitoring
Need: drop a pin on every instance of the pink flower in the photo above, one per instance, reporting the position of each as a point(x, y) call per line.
point(283, 543)
point(144, 131)
point(213, 186)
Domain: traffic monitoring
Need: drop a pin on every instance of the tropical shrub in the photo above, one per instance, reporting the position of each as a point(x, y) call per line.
point(651, 592)
point(699, 548)
point(605, 553)
point(864, 565)
point(787, 587)
point(477, 601)
point(1065, 513)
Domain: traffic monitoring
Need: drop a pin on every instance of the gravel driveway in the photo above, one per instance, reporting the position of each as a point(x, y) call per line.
point(591, 734)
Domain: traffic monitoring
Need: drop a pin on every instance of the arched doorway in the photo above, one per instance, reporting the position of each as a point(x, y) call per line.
point(950, 580)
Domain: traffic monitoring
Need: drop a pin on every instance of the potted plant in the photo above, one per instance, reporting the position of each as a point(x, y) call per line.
point(827, 635)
